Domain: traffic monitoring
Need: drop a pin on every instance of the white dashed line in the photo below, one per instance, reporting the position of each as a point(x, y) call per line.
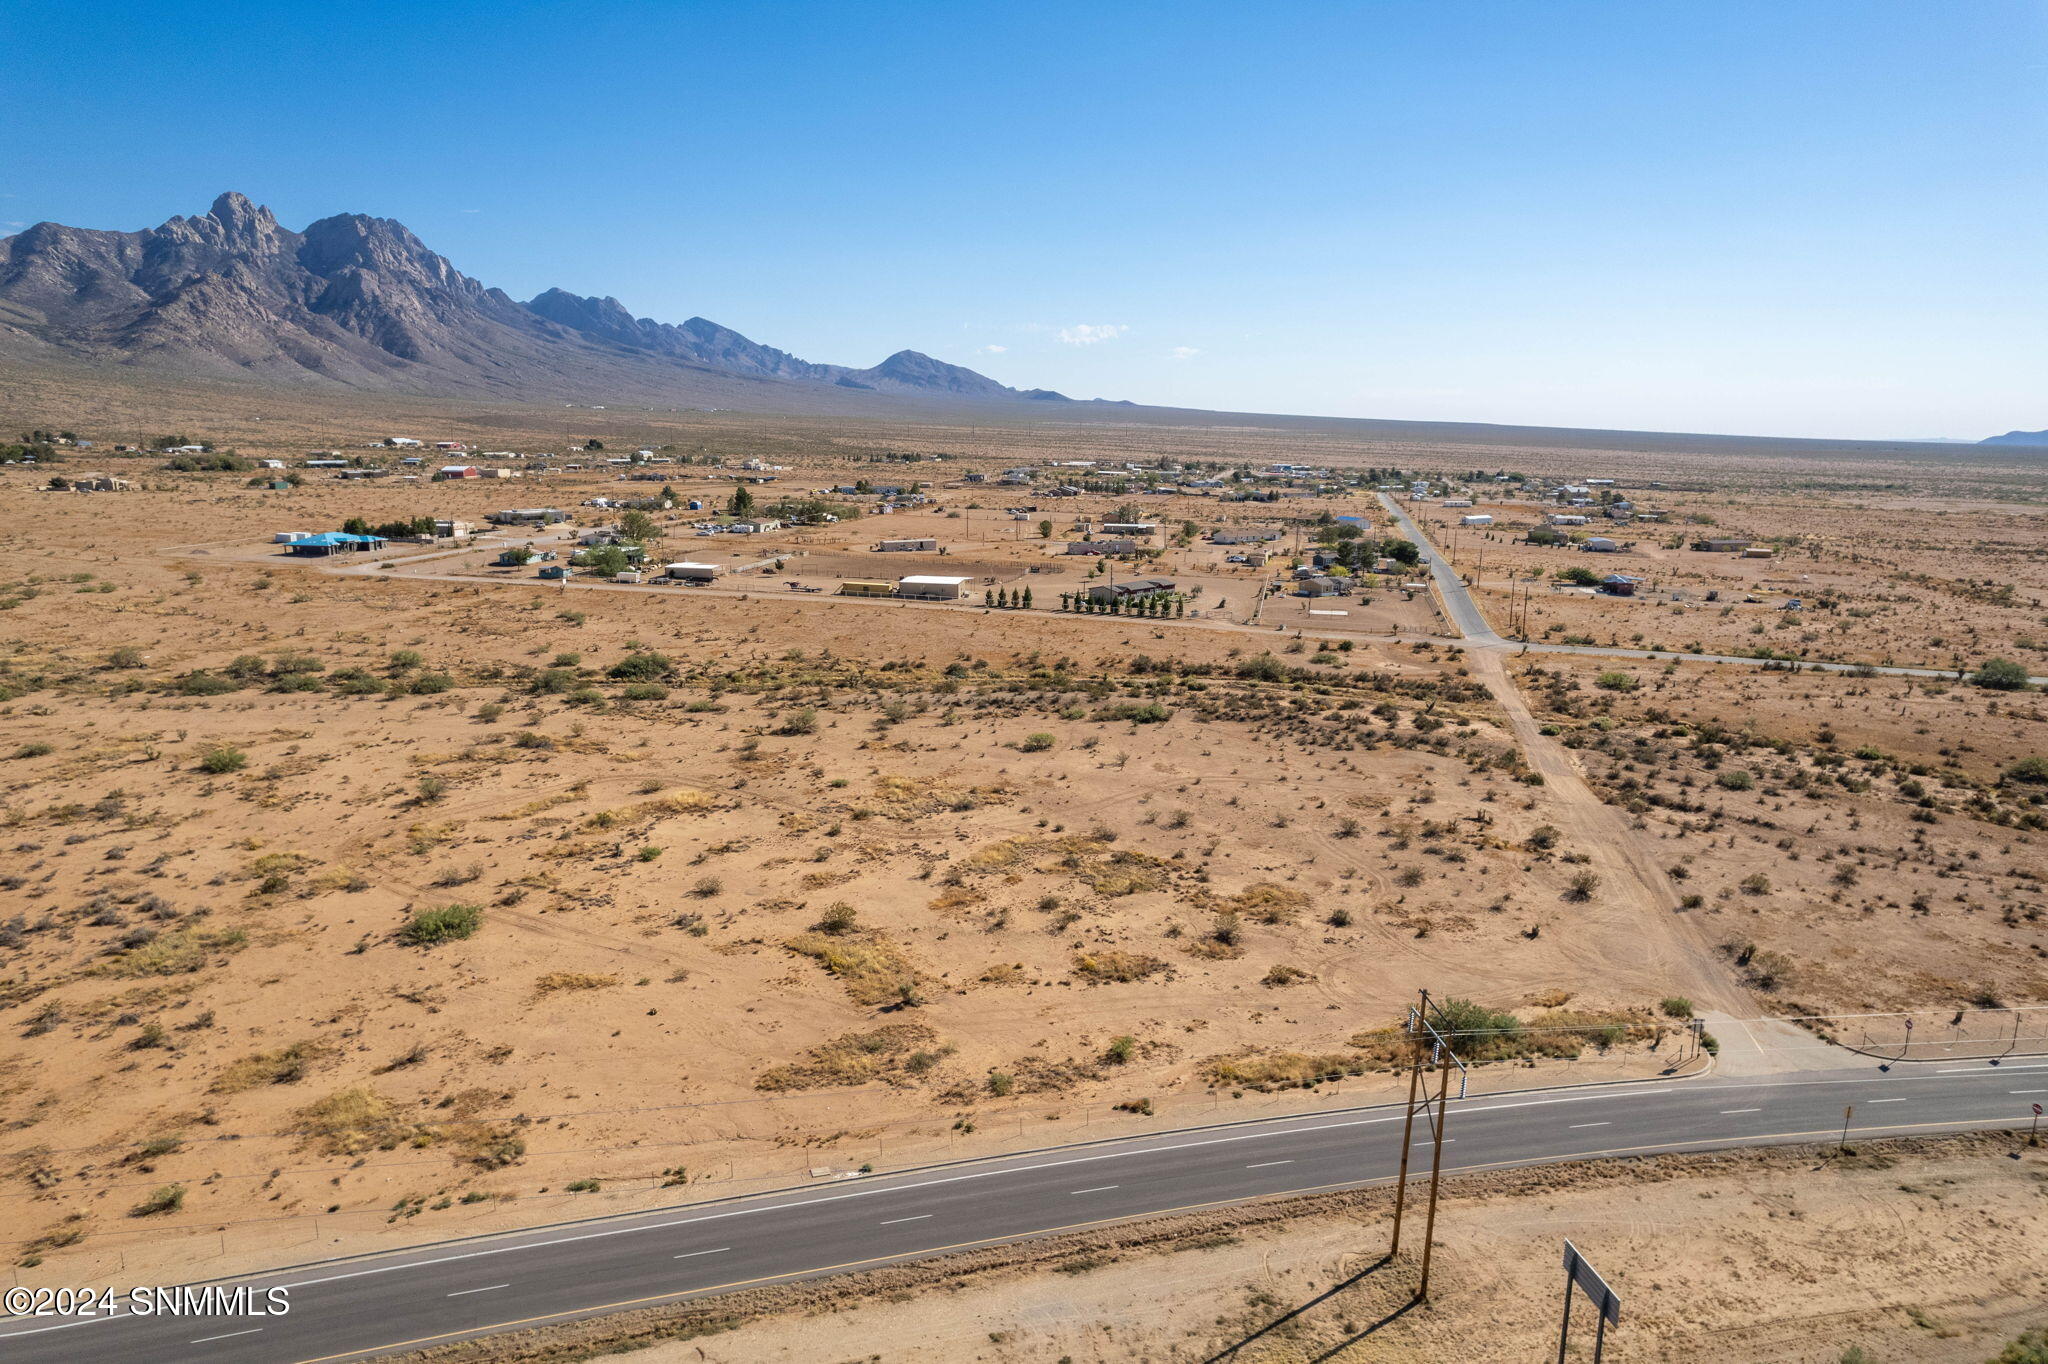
point(693, 1254)
point(252, 1331)
point(1268, 1164)
point(1726, 1111)
point(1099, 1188)
point(1885, 1101)
point(467, 1291)
point(921, 1217)
point(1592, 1124)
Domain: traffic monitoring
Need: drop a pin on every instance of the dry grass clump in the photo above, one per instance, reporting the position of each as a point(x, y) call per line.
point(176, 953)
point(572, 980)
point(1267, 903)
point(893, 1052)
point(1281, 1069)
point(873, 969)
point(281, 1067)
point(1481, 1035)
point(916, 797)
point(1109, 964)
point(351, 1121)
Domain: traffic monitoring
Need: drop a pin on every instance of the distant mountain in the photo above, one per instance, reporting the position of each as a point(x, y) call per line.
point(2017, 438)
point(360, 302)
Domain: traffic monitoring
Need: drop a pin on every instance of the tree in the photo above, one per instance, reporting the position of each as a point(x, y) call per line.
point(2001, 674)
point(1401, 551)
point(1026, 603)
point(1585, 577)
point(1045, 530)
point(639, 526)
point(355, 525)
point(593, 444)
point(606, 559)
point(741, 503)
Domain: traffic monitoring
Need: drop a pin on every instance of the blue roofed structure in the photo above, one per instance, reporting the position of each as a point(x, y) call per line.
point(333, 542)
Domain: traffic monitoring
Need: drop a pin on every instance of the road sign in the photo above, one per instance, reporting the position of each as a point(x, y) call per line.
point(1578, 1271)
point(1591, 1284)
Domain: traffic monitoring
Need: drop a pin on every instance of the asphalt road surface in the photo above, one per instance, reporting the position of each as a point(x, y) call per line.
point(1471, 622)
point(358, 1308)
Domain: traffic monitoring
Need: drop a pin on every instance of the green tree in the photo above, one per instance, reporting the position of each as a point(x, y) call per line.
point(639, 526)
point(1045, 530)
point(741, 503)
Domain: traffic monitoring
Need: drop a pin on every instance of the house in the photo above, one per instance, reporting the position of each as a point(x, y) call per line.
point(1758, 552)
point(906, 546)
point(1567, 519)
point(757, 527)
point(454, 530)
point(1130, 527)
point(519, 558)
point(553, 571)
point(1134, 587)
point(1105, 546)
point(99, 483)
point(1319, 585)
point(1457, 502)
point(327, 464)
point(527, 516)
point(449, 445)
point(931, 587)
point(333, 542)
point(865, 587)
point(1243, 537)
point(1482, 519)
point(1600, 544)
point(1721, 544)
point(270, 464)
point(449, 472)
point(693, 572)
point(1619, 585)
point(403, 442)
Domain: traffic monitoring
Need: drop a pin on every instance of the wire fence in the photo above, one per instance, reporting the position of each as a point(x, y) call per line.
point(1972, 1034)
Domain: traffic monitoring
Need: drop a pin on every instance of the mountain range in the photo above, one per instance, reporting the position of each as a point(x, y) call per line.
point(2017, 438)
point(359, 302)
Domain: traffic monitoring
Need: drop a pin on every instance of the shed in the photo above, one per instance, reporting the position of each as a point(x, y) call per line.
point(906, 545)
point(1619, 585)
point(1600, 544)
point(931, 587)
point(694, 572)
point(866, 587)
point(1482, 519)
point(1758, 552)
point(1721, 544)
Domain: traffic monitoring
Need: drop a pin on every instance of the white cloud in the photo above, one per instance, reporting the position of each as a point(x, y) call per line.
point(1092, 333)
point(993, 350)
point(1183, 352)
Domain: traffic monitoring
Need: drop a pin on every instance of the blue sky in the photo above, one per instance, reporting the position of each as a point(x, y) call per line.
point(1799, 217)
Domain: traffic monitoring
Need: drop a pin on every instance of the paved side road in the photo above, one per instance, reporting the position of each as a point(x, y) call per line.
point(1471, 622)
point(354, 1309)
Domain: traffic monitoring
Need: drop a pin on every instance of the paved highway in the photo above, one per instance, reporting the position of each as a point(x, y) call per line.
point(351, 1309)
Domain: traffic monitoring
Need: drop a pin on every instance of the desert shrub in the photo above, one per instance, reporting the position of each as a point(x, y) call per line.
point(286, 1065)
point(894, 1052)
point(1678, 1006)
point(430, 927)
point(645, 691)
point(641, 667)
point(204, 684)
point(2034, 769)
point(178, 952)
point(1581, 886)
point(1121, 1050)
point(1734, 779)
point(1617, 681)
point(351, 1121)
point(35, 750)
point(221, 759)
point(430, 684)
point(1283, 1069)
point(837, 919)
point(1284, 975)
point(1038, 743)
point(1109, 964)
point(2001, 674)
point(169, 1198)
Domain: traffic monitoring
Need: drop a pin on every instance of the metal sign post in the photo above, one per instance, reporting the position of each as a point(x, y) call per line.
point(1577, 1270)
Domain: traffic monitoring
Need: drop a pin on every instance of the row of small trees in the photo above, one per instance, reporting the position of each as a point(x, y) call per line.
point(1006, 599)
point(1158, 606)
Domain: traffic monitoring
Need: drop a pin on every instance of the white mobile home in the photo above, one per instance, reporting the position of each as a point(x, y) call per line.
point(931, 587)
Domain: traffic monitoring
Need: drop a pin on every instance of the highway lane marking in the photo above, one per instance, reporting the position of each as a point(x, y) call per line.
point(1268, 1164)
point(1592, 1124)
point(1726, 1111)
point(1073, 1226)
point(921, 1217)
point(1099, 1188)
point(1885, 1101)
point(252, 1331)
point(1279, 1128)
point(1427, 1142)
point(693, 1254)
point(466, 1291)
point(2027, 1091)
